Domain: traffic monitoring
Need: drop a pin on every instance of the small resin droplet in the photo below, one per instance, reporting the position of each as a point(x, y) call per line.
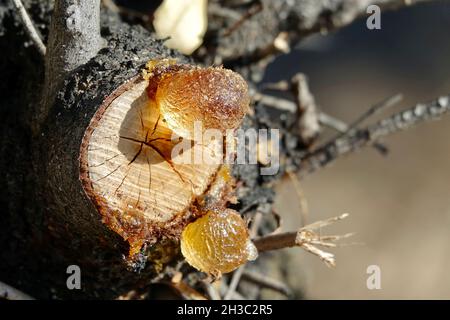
point(252, 252)
point(217, 242)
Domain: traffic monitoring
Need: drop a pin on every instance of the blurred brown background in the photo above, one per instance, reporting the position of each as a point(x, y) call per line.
point(399, 205)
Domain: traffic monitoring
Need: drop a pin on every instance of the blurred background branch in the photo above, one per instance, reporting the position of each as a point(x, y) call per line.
point(358, 138)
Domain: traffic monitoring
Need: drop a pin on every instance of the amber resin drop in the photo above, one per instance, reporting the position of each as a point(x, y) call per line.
point(216, 97)
point(217, 242)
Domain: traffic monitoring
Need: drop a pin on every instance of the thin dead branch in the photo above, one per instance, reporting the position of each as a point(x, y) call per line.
point(10, 293)
point(332, 122)
point(212, 292)
point(374, 110)
point(307, 114)
point(290, 106)
point(275, 102)
point(29, 27)
point(254, 9)
point(314, 16)
point(266, 282)
point(234, 282)
point(143, 18)
point(235, 296)
point(306, 238)
point(360, 138)
point(304, 209)
point(186, 291)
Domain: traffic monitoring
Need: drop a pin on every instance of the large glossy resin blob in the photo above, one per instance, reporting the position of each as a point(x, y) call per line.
point(217, 242)
point(216, 97)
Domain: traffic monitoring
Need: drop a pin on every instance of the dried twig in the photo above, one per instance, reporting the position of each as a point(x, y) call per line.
point(332, 122)
point(29, 27)
point(290, 106)
point(224, 288)
point(375, 109)
point(216, 10)
point(280, 44)
point(266, 282)
point(306, 238)
point(305, 108)
point(275, 102)
point(10, 293)
point(257, 7)
point(355, 140)
point(111, 5)
point(309, 121)
point(74, 38)
point(313, 16)
point(186, 291)
point(143, 18)
point(211, 290)
point(234, 282)
point(324, 16)
point(307, 114)
point(304, 209)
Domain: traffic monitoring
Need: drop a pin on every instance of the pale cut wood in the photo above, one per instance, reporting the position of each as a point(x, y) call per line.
point(131, 171)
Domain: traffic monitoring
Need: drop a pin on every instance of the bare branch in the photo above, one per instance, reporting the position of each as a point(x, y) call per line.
point(29, 27)
point(306, 17)
point(275, 102)
point(307, 114)
point(306, 238)
point(324, 16)
point(211, 290)
point(276, 241)
point(234, 282)
point(360, 138)
point(332, 122)
point(235, 296)
point(290, 106)
point(375, 109)
point(10, 293)
point(266, 282)
point(251, 12)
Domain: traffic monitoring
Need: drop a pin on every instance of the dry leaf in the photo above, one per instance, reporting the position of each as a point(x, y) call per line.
point(184, 21)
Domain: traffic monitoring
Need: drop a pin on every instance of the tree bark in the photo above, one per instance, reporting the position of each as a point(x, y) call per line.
point(73, 40)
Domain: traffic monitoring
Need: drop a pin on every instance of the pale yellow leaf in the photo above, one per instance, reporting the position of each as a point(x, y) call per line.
point(184, 21)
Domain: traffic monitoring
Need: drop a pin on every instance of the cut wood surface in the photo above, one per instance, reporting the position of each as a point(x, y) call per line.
point(140, 188)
